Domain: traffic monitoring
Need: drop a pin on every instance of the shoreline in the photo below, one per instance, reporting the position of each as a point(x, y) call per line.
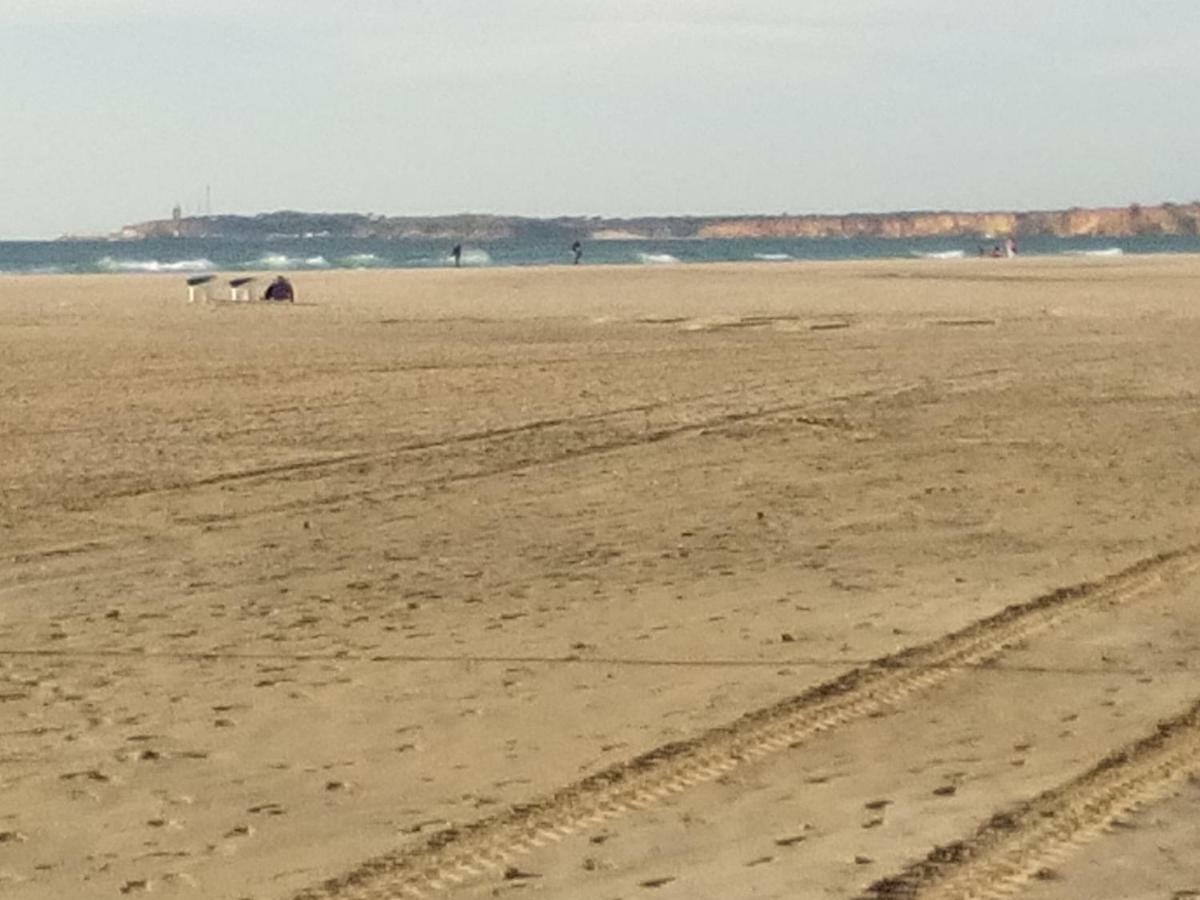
point(1067, 260)
point(192, 257)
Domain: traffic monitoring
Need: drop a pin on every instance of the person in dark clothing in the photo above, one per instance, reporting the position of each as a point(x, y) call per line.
point(457, 254)
point(280, 289)
point(577, 249)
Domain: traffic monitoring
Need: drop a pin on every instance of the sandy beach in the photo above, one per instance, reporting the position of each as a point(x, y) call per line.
point(676, 582)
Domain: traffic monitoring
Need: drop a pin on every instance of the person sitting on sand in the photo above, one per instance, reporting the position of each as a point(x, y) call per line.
point(280, 289)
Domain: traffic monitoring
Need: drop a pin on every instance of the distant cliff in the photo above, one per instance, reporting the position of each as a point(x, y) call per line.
point(1167, 218)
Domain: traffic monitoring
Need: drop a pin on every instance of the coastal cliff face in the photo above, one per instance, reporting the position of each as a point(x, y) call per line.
point(1166, 219)
point(896, 225)
point(1108, 222)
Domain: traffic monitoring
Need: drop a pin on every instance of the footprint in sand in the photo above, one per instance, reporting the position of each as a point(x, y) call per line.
point(86, 774)
point(656, 882)
point(512, 873)
point(791, 840)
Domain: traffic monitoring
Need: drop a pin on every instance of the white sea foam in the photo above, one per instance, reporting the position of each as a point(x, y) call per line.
point(1107, 251)
point(35, 270)
point(360, 260)
point(657, 259)
point(108, 264)
point(474, 257)
point(773, 257)
point(281, 261)
point(940, 254)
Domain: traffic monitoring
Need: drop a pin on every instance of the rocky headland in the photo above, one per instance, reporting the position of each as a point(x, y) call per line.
point(1165, 219)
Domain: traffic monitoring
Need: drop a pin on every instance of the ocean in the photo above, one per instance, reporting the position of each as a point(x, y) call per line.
point(196, 255)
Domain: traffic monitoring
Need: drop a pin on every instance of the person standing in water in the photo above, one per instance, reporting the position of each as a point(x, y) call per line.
point(577, 249)
point(457, 254)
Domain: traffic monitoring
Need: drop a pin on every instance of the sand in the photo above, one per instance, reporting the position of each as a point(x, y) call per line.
point(285, 588)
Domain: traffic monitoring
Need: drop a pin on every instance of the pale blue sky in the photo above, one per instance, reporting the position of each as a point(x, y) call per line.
point(113, 110)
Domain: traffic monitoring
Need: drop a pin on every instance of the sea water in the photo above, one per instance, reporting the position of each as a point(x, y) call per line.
point(189, 256)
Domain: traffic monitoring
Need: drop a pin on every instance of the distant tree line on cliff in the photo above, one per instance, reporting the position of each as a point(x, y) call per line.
point(1166, 218)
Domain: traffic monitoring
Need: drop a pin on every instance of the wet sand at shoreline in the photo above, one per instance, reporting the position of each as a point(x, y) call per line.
point(287, 587)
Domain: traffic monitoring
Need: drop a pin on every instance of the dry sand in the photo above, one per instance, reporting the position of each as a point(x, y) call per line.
point(286, 588)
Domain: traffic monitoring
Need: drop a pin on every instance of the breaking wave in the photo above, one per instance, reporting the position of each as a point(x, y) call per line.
point(360, 260)
point(1107, 251)
point(940, 254)
point(657, 259)
point(474, 257)
point(108, 264)
point(773, 257)
point(36, 270)
point(280, 261)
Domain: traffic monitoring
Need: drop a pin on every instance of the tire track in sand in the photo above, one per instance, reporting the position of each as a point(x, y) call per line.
point(801, 412)
point(459, 854)
point(1013, 846)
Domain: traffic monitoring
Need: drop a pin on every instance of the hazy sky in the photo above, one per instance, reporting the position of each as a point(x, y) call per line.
point(113, 110)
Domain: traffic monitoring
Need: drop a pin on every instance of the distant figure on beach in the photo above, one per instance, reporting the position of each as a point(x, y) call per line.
point(280, 289)
point(457, 254)
point(1010, 247)
point(577, 249)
